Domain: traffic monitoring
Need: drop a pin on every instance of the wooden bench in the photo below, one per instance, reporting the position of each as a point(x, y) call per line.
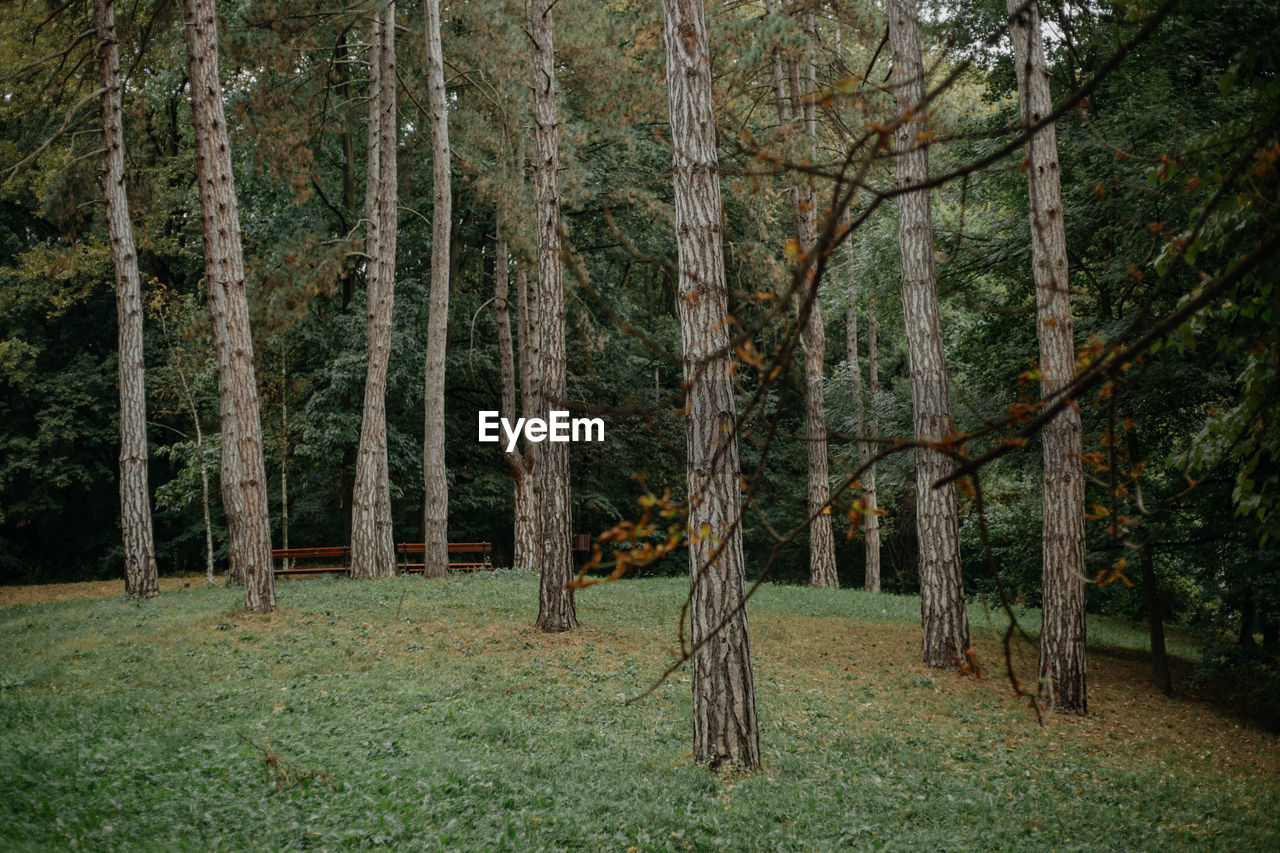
point(337, 558)
point(479, 552)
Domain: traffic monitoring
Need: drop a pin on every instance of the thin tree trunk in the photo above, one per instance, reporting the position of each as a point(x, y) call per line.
point(372, 542)
point(1151, 598)
point(1062, 635)
point(140, 575)
point(284, 456)
point(526, 527)
point(822, 549)
point(435, 516)
point(204, 497)
point(944, 624)
point(249, 525)
point(1155, 623)
point(524, 541)
point(873, 431)
point(555, 560)
point(864, 416)
point(725, 731)
point(190, 400)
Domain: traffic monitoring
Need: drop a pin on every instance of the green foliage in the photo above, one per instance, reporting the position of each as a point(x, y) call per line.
point(1169, 175)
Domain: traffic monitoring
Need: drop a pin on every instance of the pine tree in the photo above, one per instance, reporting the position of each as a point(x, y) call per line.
point(725, 731)
point(435, 501)
point(244, 471)
point(140, 575)
point(1062, 654)
point(372, 541)
point(868, 428)
point(555, 561)
point(822, 553)
point(944, 624)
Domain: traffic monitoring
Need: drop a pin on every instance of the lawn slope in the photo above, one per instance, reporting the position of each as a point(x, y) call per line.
point(430, 715)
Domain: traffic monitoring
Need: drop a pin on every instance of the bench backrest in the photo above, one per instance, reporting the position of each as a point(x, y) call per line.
point(330, 551)
point(454, 547)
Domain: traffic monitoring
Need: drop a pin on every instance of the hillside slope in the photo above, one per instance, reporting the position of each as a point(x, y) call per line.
point(431, 715)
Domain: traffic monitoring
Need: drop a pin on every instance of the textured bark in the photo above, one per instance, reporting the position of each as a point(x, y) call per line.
point(555, 559)
point(435, 513)
point(372, 541)
point(725, 731)
point(1062, 635)
point(248, 523)
point(229, 475)
point(524, 539)
point(867, 428)
point(140, 575)
point(822, 549)
point(944, 624)
point(526, 527)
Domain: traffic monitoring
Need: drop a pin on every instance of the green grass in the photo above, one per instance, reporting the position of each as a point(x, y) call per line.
point(421, 715)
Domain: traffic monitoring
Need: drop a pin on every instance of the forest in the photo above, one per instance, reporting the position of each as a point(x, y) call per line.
point(959, 310)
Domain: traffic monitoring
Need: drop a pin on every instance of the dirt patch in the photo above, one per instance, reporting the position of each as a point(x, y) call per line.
point(1126, 715)
point(36, 593)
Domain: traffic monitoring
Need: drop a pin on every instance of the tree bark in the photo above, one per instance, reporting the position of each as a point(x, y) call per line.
point(555, 560)
point(524, 540)
point(1062, 635)
point(526, 527)
point(140, 574)
point(944, 624)
point(229, 475)
point(372, 541)
point(248, 522)
point(725, 730)
point(864, 416)
point(435, 515)
point(822, 549)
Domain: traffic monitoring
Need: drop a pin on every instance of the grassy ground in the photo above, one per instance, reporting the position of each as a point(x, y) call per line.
point(414, 714)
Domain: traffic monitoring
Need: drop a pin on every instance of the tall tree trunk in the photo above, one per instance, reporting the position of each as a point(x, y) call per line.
point(248, 522)
point(372, 541)
point(555, 560)
point(822, 546)
point(524, 540)
point(140, 575)
point(822, 549)
point(435, 515)
point(944, 624)
point(725, 731)
point(1062, 635)
point(864, 416)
